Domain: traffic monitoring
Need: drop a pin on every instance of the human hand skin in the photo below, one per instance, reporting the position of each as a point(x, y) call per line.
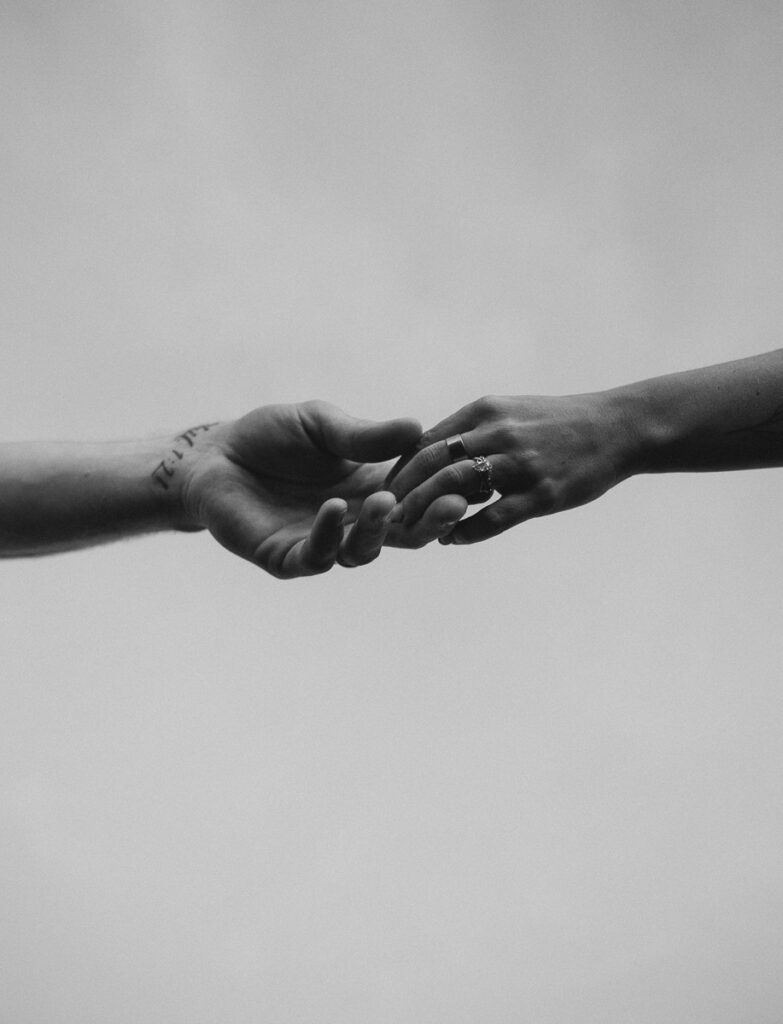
point(547, 453)
point(554, 453)
point(292, 488)
point(279, 486)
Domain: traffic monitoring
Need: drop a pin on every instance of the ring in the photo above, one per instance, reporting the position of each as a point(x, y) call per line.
point(483, 467)
point(455, 447)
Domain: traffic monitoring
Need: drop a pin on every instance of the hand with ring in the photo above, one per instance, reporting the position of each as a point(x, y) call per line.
point(541, 455)
point(297, 488)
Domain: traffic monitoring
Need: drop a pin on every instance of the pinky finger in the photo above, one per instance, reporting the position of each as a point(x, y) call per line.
point(493, 520)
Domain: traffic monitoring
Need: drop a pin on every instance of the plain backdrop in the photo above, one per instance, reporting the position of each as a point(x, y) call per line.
point(535, 780)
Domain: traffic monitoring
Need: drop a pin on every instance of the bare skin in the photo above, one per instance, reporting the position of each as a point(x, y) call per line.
point(550, 454)
point(294, 489)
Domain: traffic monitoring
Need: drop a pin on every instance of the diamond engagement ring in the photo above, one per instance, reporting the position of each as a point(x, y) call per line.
point(483, 467)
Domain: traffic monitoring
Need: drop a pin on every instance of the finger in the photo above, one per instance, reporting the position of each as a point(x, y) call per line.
point(457, 478)
point(396, 468)
point(317, 552)
point(288, 555)
point(467, 418)
point(415, 469)
point(508, 511)
point(438, 521)
point(235, 522)
point(365, 539)
point(464, 420)
point(357, 439)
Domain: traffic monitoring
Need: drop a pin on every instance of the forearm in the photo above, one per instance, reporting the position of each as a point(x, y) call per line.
point(723, 417)
point(62, 496)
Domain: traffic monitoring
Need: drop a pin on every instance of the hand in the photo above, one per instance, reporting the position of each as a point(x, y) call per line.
point(547, 455)
point(279, 486)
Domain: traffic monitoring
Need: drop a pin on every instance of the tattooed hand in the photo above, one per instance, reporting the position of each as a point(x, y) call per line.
point(296, 488)
point(280, 485)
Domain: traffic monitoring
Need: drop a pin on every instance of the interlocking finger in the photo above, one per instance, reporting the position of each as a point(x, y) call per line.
point(508, 511)
point(491, 521)
point(439, 519)
point(465, 478)
point(430, 460)
point(365, 539)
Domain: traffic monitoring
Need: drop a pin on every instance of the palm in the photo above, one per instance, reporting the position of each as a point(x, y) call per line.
point(273, 490)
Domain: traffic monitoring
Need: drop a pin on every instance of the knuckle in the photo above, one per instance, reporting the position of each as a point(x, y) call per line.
point(315, 406)
point(528, 469)
point(492, 515)
point(507, 434)
point(546, 495)
point(493, 407)
point(486, 406)
point(494, 521)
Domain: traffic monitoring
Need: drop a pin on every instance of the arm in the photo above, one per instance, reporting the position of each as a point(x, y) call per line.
point(291, 488)
point(723, 417)
point(551, 454)
point(57, 496)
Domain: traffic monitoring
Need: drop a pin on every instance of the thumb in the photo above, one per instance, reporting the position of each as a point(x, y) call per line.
point(357, 439)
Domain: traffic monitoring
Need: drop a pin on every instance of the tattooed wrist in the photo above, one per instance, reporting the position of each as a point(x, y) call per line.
point(163, 475)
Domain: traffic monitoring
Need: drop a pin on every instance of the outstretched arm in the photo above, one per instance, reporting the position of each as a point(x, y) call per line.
point(291, 488)
point(554, 453)
point(60, 496)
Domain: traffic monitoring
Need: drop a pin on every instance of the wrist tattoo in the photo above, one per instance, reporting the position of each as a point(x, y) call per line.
point(167, 467)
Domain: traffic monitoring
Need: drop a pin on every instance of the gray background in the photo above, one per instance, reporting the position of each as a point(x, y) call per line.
point(534, 780)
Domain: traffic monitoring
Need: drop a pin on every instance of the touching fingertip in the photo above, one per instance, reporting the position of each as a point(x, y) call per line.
point(386, 500)
point(381, 521)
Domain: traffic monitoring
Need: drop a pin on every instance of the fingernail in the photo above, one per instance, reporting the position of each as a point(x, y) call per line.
point(448, 539)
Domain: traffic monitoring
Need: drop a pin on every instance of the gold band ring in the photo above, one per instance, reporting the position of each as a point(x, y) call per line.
point(455, 447)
